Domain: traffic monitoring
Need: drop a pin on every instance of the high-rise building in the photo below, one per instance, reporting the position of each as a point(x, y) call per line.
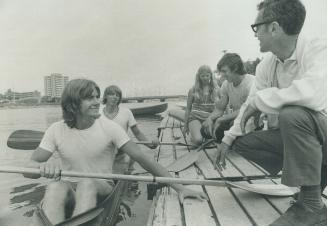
point(54, 84)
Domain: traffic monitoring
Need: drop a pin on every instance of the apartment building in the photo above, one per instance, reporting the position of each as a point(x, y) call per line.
point(54, 84)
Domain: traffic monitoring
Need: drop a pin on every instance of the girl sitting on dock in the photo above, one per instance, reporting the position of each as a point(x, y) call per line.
point(123, 116)
point(200, 103)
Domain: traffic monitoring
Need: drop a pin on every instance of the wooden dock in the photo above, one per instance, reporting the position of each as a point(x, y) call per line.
point(226, 206)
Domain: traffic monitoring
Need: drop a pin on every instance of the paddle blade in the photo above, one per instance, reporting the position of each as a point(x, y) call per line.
point(25, 139)
point(266, 189)
point(184, 161)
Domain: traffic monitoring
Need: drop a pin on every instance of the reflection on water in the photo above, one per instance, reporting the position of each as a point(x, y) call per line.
point(18, 194)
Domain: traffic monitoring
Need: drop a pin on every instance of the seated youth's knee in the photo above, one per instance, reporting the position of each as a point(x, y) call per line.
point(196, 140)
point(56, 192)
point(86, 187)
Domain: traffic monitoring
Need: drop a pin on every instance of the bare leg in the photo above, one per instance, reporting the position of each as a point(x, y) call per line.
point(86, 194)
point(195, 127)
point(177, 114)
point(57, 195)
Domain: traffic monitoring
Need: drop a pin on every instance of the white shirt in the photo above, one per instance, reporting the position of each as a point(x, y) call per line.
point(301, 80)
point(89, 150)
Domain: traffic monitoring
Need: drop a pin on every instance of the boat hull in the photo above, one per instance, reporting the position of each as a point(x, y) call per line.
point(105, 214)
point(146, 108)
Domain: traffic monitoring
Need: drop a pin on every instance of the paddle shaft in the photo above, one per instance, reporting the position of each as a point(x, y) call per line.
point(153, 179)
point(164, 143)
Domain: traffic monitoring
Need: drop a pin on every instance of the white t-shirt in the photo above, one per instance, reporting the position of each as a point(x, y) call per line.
point(237, 95)
point(125, 118)
point(89, 150)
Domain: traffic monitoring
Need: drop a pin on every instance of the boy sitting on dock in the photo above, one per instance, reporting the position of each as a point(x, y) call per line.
point(234, 92)
point(86, 143)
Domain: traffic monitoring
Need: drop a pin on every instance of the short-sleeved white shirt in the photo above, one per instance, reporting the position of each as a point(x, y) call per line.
point(89, 150)
point(237, 95)
point(125, 118)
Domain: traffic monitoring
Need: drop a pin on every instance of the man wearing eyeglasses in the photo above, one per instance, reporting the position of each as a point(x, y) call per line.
point(290, 88)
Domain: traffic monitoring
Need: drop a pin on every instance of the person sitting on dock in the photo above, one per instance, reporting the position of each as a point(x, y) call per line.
point(200, 103)
point(234, 92)
point(290, 87)
point(123, 116)
point(85, 142)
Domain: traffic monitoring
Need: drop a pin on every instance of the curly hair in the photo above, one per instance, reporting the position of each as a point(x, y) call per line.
point(112, 89)
point(234, 62)
point(290, 14)
point(75, 91)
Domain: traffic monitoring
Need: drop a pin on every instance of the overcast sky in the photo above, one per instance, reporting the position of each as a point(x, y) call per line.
point(144, 46)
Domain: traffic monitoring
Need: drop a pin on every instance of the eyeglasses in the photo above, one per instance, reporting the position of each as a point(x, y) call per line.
point(255, 26)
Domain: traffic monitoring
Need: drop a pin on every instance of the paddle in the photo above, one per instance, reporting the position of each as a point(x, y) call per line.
point(30, 139)
point(188, 159)
point(165, 143)
point(266, 189)
point(183, 162)
point(25, 139)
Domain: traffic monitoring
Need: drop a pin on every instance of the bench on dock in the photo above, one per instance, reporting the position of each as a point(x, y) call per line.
point(226, 206)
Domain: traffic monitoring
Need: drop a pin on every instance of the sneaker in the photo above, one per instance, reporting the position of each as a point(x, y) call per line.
point(298, 215)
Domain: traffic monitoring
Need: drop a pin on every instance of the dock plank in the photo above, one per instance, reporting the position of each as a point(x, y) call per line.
point(227, 209)
point(204, 215)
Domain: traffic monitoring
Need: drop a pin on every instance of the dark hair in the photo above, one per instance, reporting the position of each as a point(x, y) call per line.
point(233, 61)
point(110, 89)
point(75, 91)
point(290, 14)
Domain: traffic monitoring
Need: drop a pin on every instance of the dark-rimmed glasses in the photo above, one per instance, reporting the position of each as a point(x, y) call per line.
point(255, 26)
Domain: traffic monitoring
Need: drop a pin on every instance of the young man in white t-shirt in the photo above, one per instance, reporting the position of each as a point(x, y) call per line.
point(87, 144)
point(234, 92)
point(124, 117)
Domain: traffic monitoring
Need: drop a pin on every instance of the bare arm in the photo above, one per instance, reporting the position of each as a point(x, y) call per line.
point(141, 137)
point(188, 109)
point(40, 155)
point(156, 169)
point(229, 117)
point(219, 108)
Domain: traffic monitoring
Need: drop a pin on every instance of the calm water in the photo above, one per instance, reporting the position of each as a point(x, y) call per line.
point(16, 192)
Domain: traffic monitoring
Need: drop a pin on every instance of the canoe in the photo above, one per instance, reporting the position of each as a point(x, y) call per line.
point(149, 108)
point(104, 214)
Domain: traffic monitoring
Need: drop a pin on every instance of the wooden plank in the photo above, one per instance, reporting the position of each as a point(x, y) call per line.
point(206, 167)
point(243, 165)
point(226, 208)
point(225, 205)
point(204, 215)
point(164, 215)
point(167, 210)
point(256, 206)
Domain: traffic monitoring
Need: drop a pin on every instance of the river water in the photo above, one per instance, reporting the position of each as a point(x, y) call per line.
point(16, 197)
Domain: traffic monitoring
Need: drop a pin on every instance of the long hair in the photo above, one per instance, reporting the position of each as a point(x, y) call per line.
point(198, 86)
point(112, 89)
point(75, 91)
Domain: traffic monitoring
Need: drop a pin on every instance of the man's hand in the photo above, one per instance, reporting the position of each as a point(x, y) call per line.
point(154, 143)
point(207, 126)
point(185, 192)
point(248, 113)
point(222, 150)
